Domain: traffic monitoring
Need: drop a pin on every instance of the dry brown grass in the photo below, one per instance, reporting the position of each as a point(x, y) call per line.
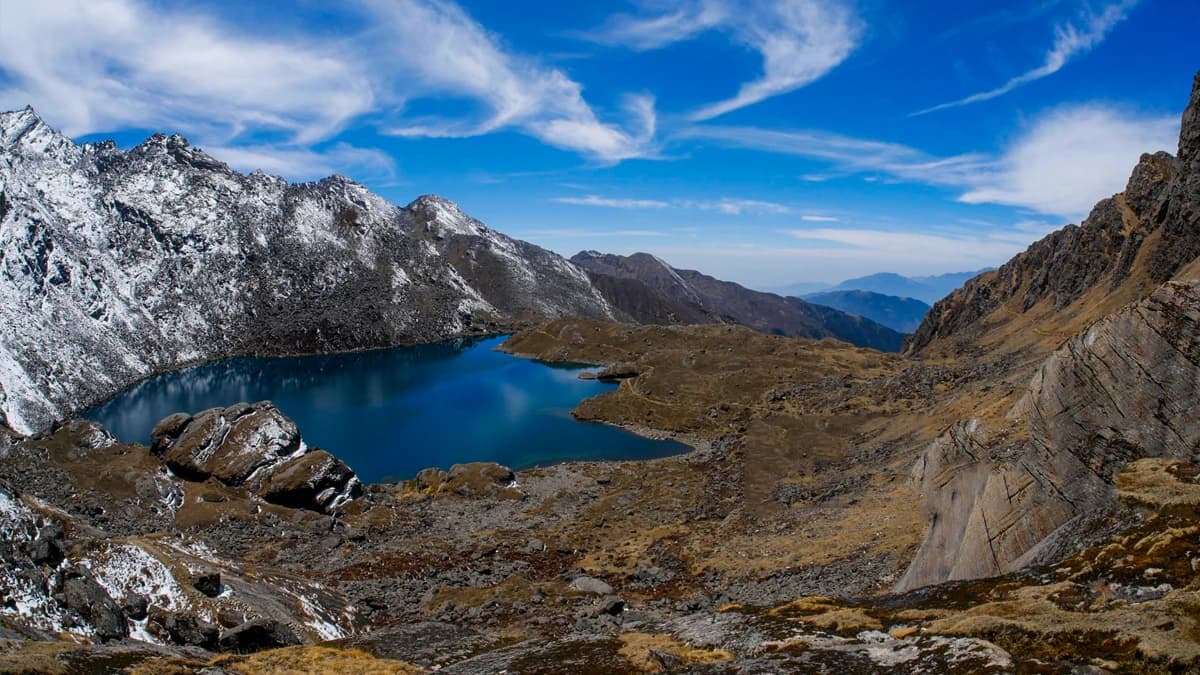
point(304, 660)
point(639, 649)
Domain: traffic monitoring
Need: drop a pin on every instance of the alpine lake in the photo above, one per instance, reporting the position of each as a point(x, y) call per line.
point(390, 413)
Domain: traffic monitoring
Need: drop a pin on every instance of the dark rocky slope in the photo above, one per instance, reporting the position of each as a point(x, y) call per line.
point(649, 290)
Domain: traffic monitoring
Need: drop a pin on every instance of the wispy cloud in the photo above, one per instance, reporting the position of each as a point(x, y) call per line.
point(613, 203)
point(737, 207)
point(438, 49)
point(799, 40)
point(1060, 165)
point(1070, 158)
point(572, 233)
point(305, 163)
point(813, 218)
point(119, 64)
point(726, 205)
point(649, 30)
point(1070, 40)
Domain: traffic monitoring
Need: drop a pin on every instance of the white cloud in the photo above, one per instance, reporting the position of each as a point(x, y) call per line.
point(1071, 158)
point(94, 66)
point(438, 50)
point(102, 65)
point(726, 205)
point(644, 32)
point(1064, 162)
point(1070, 40)
point(608, 202)
point(305, 164)
point(813, 218)
point(572, 233)
point(736, 207)
point(799, 40)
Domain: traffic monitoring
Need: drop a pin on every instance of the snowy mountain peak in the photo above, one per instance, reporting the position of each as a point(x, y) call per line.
point(25, 132)
point(442, 216)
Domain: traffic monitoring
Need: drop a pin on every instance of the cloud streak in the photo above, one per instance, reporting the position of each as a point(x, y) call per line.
point(1065, 161)
point(436, 49)
point(120, 64)
point(608, 202)
point(1070, 40)
point(799, 41)
point(727, 205)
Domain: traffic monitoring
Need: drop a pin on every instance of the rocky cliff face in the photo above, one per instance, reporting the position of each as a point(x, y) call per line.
point(116, 264)
point(649, 290)
point(1128, 245)
point(1003, 498)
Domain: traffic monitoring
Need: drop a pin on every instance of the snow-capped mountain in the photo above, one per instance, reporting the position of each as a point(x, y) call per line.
point(117, 264)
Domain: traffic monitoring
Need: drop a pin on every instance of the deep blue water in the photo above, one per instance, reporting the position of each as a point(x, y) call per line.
point(391, 413)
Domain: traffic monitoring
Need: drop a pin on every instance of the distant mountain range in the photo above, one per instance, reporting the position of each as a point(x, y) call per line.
point(927, 289)
point(901, 314)
point(651, 291)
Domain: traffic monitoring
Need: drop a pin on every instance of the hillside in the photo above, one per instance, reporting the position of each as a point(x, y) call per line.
point(649, 290)
point(899, 314)
point(1019, 491)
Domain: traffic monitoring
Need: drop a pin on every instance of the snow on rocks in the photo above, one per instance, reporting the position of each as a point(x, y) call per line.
point(118, 264)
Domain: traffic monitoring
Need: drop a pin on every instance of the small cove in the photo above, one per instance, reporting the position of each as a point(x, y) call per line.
point(390, 413)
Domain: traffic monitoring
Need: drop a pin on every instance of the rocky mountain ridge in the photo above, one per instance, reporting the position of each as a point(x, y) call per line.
point(649, 290)
point(117, 264)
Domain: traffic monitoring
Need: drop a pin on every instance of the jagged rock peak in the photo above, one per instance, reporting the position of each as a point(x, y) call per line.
point(444, 216)
point(1189, 130)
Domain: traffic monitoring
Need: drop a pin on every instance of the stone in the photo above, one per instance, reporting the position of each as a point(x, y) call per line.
point(208, 582)
point(79, 592)
point(183, 628)
point(167, 430)
point(136, 606)
point(256, 635)
point(590, 585)
point(1124, 389)
point(315, 480)
point(258, 447)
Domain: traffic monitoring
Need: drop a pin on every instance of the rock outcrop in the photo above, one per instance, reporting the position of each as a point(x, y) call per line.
point(648, 290)
point(258, 447)
point(1127, 388)
point(118, 264)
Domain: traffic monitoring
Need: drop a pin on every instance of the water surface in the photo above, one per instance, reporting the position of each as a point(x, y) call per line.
point(391, 413)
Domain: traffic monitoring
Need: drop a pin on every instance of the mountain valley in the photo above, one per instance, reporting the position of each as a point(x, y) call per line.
point(1014, 487)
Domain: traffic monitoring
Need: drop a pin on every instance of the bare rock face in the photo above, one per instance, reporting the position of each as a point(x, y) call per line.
point(1127, 388)
point(259, 447)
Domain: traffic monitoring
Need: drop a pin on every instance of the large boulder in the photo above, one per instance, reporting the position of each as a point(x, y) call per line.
point(256, 635)
point(79, 592)
point(315, 478)
point(258, 447)
point(227, 443)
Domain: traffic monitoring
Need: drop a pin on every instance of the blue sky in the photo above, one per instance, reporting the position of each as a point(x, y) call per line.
point(764, 142)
